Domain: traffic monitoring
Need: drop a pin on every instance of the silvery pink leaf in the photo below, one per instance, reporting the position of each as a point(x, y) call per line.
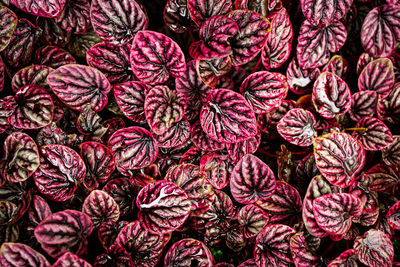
point(75, 16)
point(219, 176)
point(272, 246)
point(52, 33)
point(34, 74)
point(391, 154)
point(53, 56)
point(70, 259)
point(264, 90)
point(393, 216)
point(264, 7)
point(253, 219)
point(284, 206)
point(374, 248)
point(162, 55)
point(335, 212)
point(42, 8)
point(339, 157)
point(177, 17)
point(322, 13)
point(191, 85)
point(202, 141)
point(163, 206)
point(18, 254)
point(252, 180)
point(211, 161)
point(163, 107)
point(348, 258)
point(211, 70)
point(374, 134)
point(302, 255)
point(64, 229)
point(89, 123)
point(238, 150)
point(188, 252)
point(130, 98)
point(18, 53)
point(117, 21)
point(60, 170)
point(377, 76)
point(100, 207)
point(39, 211)
point(297, 127)
point(193, 182)
point(20, 159)
point(380, 31)
point(193, 155)
point(133, 148)
point(337, 65)
point(279, 41)
point(175, 136)
point(331, 95)
point(300, 80)
point(34, 108)
point(200, 11)
point(384, 177)
point(225, 82)
point(227, 117)
point(363, 61)
point(251, 37)
point(108, 232)
point(388, 108)
point(99, 162)
point(214, 34)
point(315, 43)
point(221, 210)
point(363, 104)
point(78, 85)
point(112, 60)
point(318, 186)
point(115, 256)
point(8, 23)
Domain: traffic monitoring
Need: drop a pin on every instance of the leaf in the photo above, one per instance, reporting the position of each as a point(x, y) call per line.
point(71, 259)
point(100, 207)
point(39, 211)
point(380, 31)
point(393, 216)
point(331, 95)
point(391, 154)
point(202, 141)
point(227, 117)
point(52, 33)
point(376, 135)
point(41, 8)
point(337, 65)
point(187, 252)
point(176, 136)
point(301, 253)
point(200, 10)
point(53, 57)
point(388, 108)
point(384, 177)
point(238, 150)
point(34, 74)
point(211, 70)
point(347, 258)
point(363, 104)
point(108, 232)
point(253, 219)
point(335, 212)
point(339, 157)
point(252, 180)
point(377, 76)
point(130, 97)
point(75, 16)
point(300, 80)
point(374, 248)
point(78, 85)
point(117, 21)
point(221, 210)
point(163, 206)
point(17, 254)
point(88, 123)
point(8, 24)
point(163, 57)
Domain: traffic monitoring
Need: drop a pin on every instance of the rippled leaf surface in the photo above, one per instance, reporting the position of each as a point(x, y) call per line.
point(300, 80)
point(347, 258)
point(253, 219)
point(71, 260)
point(40, 210)
point(238, 150)
point(42, 8)
point(130, 97)
point(200, 10)
point(391, 154)
point(100, 207)
point(8, 23)
point(53, 56)
point(377, 76)
point(301, 253)
point(211, 70)
point(393, 216)
point(175, 136)
point(187, 252)
point(363, 103)
point(376, 135)
point(34, 74)
point(75, 16)
point(17, 254)
point(202, 141)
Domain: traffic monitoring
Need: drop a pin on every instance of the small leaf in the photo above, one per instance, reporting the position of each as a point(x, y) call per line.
point(302, 255)
point(42, 8)
point(100, 207)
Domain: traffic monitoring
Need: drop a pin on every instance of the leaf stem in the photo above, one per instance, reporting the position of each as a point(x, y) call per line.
point(267, 153)
point(256, 66)
point(191, 35)
point(358, 129)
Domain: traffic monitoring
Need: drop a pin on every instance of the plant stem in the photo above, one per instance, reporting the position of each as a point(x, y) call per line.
point(327, 250)
point(256, 66)
point(267, 153)
point(191, 36)
point(361, 130)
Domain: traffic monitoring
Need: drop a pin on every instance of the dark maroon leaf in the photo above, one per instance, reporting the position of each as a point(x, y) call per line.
point(393, 216)
point(177, 17)
point(75, 16)
point(300, 80)
point(52, 33)
point(264, 90)
point(163, 107)
point(253, 219)
point(238, 150)
point(8, 23)
point(70, 259)
point(200, 10)
point(154, 57)
point(374, 248)
point(20, 159)
point(363, 61)
point(51, 134)
point(391, 154)
point(302, 255)
point(221, 210)
point(89, 123)
point(211, 70)
point(315, 43)
point(339, 157)
point(17, 254)
point(71, 82)
point(42, 8)
point(115, 256)
point(130, 97)
point(227, 117)
point(384, 177)
point(219, 176)
point(272, 246)
point(252, 180)
point(249, 262)
point(175, 136)
point(2, 72)
point(53, 57)
point(117, 21)
point(279, 41)
point(388, 108)
point(337, 65)
point(34, 74)
point(100, 207)
point(363, 104)
point(188, 252)
point(381, 30)
point(8, 212)
point(373, 133)
point(202, 141)
point(331, 95)
point(111, 59)
point(348, 258)
point(60, 170)
point(39, 211)
point(108, 232)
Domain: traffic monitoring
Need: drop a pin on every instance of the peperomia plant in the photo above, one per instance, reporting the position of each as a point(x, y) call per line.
point(200, 133)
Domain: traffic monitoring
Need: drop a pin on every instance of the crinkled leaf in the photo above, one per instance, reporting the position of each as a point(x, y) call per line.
point(187, 252)
point(374, 134)
point(211, 70)
point(175, 136)
point(52, 33)
point(18, 254)
point(202, 141)
point(39, 211)
point(75, 16)
point(130, 97)
point(384, 177)
point(393, 216)
point(363, 104)
point(8, 23)
point(301, 253)
point(201, 10)
point(388, 108)
point(348, 259)
point(34, 74)
point(391, 154)
point(100, 207)
point(108, 232)
point(70, 259)
point(337, 65)
point(300, 80)
point(377, 76)
point(238, 150)
point(89, 123)
point(53, 57)
point(253, 219)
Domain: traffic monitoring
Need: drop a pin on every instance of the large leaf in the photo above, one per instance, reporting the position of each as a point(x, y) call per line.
point(42, 8)
point(201, 10)
point(339, 157)
point(117, 21)
point(252, 180)
point(8, 23)
point(187, 252)
point(17, 254)
point(227, 117)
point(154, 57)
point(374, 134)
point(78, 85)
point(380, 31)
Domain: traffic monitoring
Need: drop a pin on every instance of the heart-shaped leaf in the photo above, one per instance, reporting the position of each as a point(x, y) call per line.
point(100, 207)
point(39, 211)
point(253, 219)
point(8, 23)
point(337, 65)
point(201, 10)
point(377, 76)
point(187, 252)
point(221, 210)
point(302, 255)
point(252, 180)
point(130, 97)
point(384, 177)
point(53, 56)
point(17, 254)
point(75, 16)
point(374, 134)
point(175, 136)
point(162, 57)
point(41, 8)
